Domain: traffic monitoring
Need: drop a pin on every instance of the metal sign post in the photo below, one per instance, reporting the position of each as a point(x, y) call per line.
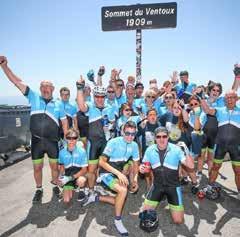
point(138, 17)
point(138, 55)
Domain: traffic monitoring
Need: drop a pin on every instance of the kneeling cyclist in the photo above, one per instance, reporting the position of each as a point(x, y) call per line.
point(113, 171)
point(73, 166)
point(164, 158)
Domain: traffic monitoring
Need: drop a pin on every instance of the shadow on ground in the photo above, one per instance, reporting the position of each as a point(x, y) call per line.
point(42, 215)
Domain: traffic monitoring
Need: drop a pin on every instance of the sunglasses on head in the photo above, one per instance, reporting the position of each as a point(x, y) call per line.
point(161, 136)
point(71, 138)
point(193, 104)
point(152, 97)
point(130, 134)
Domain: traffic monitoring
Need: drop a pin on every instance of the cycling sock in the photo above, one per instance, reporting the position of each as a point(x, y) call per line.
point(39, 188)
point(120, 227)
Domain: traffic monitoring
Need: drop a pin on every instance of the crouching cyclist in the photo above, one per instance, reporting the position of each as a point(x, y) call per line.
point(73, 166)
point(114, 168)
point(164, 158)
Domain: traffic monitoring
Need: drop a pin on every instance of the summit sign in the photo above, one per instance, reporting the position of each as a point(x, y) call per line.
point(139, 16)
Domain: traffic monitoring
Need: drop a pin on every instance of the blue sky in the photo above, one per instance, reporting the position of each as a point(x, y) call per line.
point(59, 40)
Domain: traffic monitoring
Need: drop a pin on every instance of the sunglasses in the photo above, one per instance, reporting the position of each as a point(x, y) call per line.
point(152, 97)
point(193, 104)
point(127, 110)
point(111, 92)
point(215, 90)
point(140, 88)
point(71, 138)
point(120, 85)
point(130, 134)
point(163, 136)
point(168, 97)
point(99, 97)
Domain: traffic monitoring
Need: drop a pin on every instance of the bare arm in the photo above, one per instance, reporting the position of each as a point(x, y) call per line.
point(185, 115)
point(206, 108)
point(101, 72)
point(11, 76)
point(135, 171)
point(188, 162)
point(64, 126)
point(75, 123)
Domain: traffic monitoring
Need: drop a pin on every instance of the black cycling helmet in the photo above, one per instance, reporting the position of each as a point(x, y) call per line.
point(148, 220)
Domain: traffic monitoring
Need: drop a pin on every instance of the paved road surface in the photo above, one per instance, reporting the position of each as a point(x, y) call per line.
point(19, 218)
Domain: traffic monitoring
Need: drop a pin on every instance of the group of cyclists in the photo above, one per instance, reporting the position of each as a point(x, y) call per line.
point(113, 135)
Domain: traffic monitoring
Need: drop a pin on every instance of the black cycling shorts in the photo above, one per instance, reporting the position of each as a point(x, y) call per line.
point(95, 149)
point(40, 146)
point(233, 150)
point(158, 192)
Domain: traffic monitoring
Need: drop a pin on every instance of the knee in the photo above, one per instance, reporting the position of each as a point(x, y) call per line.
point(178, 221)
point(38, 168)
point(81, 181)
point(216, 167)
point(122, 190)
point(66, 200)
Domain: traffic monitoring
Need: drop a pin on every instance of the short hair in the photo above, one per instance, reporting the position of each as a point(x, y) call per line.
point(151, 110)
point(160, 129)
point(72, 132)
point(121, 80)
point(193, 97)
point(129, 124)
point(64, 89)
point(212, 85)
point(124, 106)
point(46, 82)
point(139, 84)
point(183, 73)
point(231, 92)
point(150, 92)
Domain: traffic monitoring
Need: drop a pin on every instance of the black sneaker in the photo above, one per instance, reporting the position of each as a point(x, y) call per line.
point(81, 196)
point(56, 191)
point(37, 196)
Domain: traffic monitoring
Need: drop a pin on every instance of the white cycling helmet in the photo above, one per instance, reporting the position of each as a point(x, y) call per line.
point(99, 90)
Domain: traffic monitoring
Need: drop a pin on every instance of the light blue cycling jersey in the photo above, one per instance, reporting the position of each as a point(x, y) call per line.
point(75, 159)
point(219, 102)
point(119, 152)
point(228, 126)
point(188, 90)
point(96, 116)
point(121, 99)
point(45, 115)
point(173, 156)
point(112, 103)
point(69, 108)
